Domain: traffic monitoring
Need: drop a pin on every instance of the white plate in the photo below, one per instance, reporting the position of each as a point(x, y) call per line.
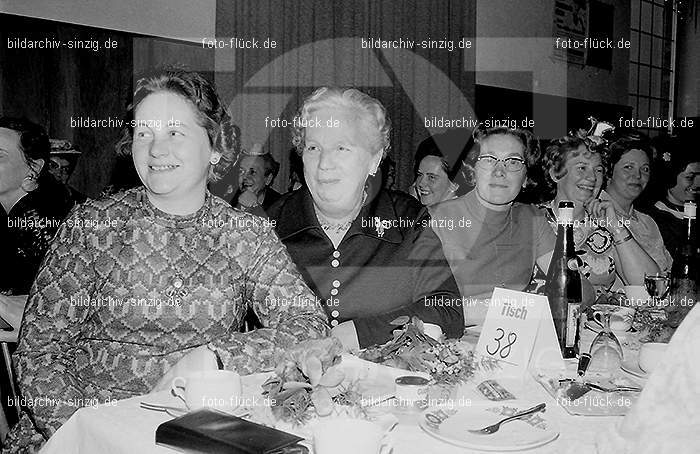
point(632, 368)
point(375, 382)
point(452, 426)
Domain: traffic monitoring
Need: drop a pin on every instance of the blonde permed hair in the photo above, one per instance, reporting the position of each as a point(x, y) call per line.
point(369, 108)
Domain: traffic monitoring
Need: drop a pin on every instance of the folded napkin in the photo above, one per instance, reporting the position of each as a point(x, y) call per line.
point(666, 417)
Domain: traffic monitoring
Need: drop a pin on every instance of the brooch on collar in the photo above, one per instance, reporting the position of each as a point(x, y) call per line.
point(381, 225)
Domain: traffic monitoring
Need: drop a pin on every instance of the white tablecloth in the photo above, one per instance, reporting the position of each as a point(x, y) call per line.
point(125, 428)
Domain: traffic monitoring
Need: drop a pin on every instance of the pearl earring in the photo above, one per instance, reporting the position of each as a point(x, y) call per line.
point(214, 160)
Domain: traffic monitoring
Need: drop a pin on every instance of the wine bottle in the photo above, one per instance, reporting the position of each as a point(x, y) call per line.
point(685, 270)
point(563, 288)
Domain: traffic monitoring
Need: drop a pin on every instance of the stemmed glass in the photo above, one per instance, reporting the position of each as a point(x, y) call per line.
point(606, 351)
point(657, 286)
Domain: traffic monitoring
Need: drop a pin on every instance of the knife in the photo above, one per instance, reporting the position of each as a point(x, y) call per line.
point(577, 389)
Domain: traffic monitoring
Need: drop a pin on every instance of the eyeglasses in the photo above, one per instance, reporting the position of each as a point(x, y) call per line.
point(488, 162)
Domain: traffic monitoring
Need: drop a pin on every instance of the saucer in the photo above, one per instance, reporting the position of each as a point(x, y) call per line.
point(632, 368)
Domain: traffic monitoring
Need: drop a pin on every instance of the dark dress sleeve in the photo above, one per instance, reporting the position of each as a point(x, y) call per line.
point(436, 297)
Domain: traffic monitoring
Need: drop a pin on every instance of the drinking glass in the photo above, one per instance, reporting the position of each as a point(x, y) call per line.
point(606, 351)
point(657, 286)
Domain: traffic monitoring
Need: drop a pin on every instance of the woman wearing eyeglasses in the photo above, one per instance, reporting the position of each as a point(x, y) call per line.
point(494, 242)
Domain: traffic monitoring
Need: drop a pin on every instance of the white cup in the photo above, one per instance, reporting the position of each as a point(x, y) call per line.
point(650, 355)
point(620, 319)
point(433, 330)
point(350, 436)
point(219, 389)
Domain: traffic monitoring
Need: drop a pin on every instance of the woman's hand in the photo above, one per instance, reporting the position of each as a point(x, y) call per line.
point(347, 335)
point(604, 209)
point(201, 358)
point(632, 262)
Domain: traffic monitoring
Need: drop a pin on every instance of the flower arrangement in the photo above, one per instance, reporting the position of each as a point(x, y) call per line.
point(448, 363)
point(658, 324)
point(307, 379)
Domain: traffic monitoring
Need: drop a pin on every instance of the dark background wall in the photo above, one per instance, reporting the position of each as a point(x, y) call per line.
point(319, 42)
point(54, 86)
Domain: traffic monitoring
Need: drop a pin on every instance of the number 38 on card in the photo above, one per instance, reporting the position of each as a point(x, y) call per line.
point(515, 327)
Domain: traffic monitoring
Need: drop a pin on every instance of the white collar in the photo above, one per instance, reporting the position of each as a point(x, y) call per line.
point(663, 207)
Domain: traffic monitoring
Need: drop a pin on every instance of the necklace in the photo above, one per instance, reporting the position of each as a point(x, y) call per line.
point(176, 285)
point(178, 237)
point(337, 228)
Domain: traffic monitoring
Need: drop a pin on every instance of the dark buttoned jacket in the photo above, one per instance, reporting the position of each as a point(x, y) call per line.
point(390, 263)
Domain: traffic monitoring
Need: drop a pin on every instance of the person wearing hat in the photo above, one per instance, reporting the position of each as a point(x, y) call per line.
point(61, 165)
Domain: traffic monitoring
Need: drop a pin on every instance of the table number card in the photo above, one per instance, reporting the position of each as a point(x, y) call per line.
point(519, 332)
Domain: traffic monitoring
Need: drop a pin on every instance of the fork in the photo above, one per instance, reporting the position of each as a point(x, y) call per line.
point(493, 428)
point(615, 389)
point(165, 408)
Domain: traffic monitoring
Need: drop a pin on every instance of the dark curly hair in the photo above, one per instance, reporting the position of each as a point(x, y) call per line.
point(429, 147)
point(674, 155)
point(621, 141)
point(33, 142)
point(530, 143)
point(271, 166)
point(209, 111)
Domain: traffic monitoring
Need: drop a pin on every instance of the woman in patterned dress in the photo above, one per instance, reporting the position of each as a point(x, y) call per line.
point(141, 285)
point(576, 167)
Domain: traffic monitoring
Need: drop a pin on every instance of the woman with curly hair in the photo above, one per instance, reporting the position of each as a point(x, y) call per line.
point(32, 202)
point(635, 234)
point(365, 253)
point(576, 168)
point(146, 284)
point(680, 183)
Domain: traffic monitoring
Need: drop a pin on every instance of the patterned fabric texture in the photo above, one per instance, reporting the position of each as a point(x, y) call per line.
point(594, 249)
point(126, 290)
